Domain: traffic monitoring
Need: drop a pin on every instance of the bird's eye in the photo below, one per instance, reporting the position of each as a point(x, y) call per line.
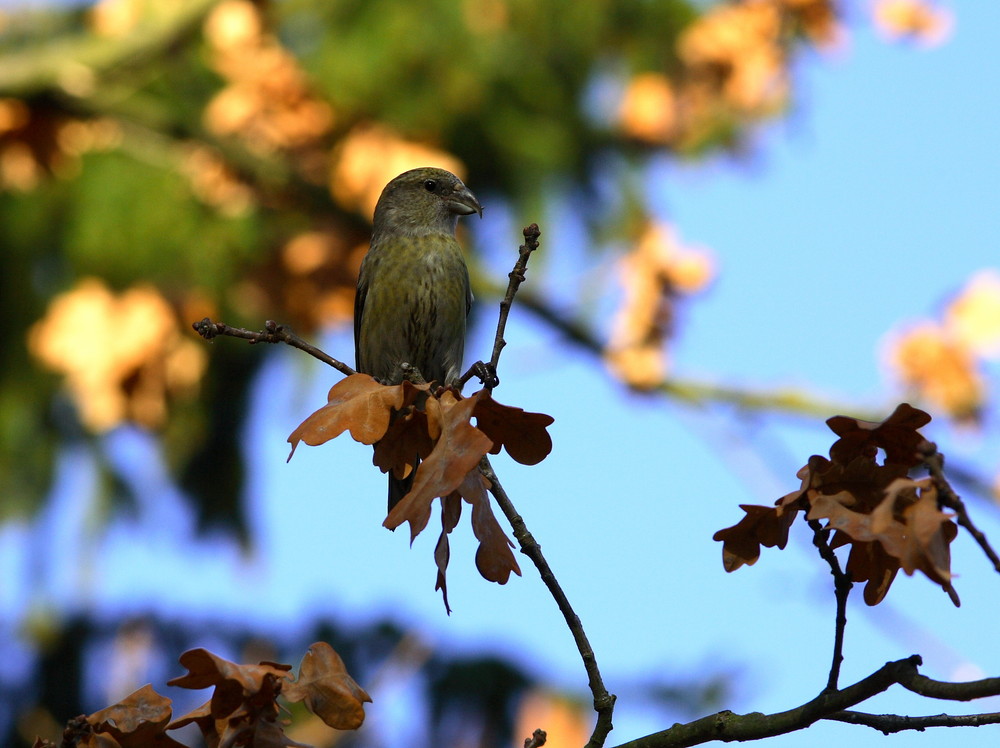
point(430, 185)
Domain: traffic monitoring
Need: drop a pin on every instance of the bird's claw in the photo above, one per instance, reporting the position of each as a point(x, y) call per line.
point(487, 374)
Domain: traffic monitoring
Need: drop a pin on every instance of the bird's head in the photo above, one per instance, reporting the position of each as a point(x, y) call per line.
point(424, 200)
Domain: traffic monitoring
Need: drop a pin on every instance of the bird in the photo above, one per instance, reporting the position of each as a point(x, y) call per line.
point(413, 294)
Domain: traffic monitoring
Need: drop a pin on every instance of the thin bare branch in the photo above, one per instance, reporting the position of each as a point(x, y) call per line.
point(487, 372)
point(832, 705)
point(934, 462)
point(842, 588)
point(890, 723)
point(604, 702)
point(272, 333)
point(531, 234)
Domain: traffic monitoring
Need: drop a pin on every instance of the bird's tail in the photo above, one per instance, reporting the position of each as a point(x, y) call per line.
point(399, 487)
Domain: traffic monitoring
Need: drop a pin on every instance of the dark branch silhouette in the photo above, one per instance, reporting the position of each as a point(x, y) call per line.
point(272, 333)
point(833, 703)
point(842, 588)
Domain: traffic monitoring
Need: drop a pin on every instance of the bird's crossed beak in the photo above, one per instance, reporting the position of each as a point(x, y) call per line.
point(464, 203)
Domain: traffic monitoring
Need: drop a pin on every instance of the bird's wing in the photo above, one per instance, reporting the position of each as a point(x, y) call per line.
point(469, 298)
point(359, 310)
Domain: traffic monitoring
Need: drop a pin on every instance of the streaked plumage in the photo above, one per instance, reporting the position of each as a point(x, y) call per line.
point(413, 290)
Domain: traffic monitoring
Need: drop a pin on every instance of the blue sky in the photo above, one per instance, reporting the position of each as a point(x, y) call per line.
point(871, 204)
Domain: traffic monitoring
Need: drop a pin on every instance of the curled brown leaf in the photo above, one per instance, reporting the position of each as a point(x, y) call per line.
point(233, 683)
point(137, 721)
point(409, 436)
point(494, 557)
point(457, 451)
point(451, 512)
point(327, 690)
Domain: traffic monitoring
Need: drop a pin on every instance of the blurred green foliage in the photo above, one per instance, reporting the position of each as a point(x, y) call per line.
point(185, 146)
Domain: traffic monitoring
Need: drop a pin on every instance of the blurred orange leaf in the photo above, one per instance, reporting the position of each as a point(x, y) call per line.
point(919, 20)
point(648, 110)
point(934, 364)
point(973, 317)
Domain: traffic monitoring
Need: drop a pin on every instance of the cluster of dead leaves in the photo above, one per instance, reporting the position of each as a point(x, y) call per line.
point(242, 711)
point(409, 421)
point(889, 520)
point(656, 273)
point(733, 63)
point(924, 22)
point(139, 363)
point(267, 101)
point(38, 141)
point(943, 360)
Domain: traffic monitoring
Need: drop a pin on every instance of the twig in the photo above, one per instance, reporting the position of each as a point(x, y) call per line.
point(487, 372)
point(890, 723)
point(842, 588)
point(272, 333)
point(531, 234)
point(934, 462)
point(604, 702)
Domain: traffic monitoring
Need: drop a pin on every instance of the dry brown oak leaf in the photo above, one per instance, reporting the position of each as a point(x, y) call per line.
point(890, 522)
point(406, 422)
point(358, 404)
point(245, 692)
point(138, 721)
point(907, 527)
point(327, 689)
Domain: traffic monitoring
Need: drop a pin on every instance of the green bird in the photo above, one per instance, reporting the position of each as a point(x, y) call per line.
point(413, 289)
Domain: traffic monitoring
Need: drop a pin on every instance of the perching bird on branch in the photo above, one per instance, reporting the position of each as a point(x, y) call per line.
point(413, 290)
